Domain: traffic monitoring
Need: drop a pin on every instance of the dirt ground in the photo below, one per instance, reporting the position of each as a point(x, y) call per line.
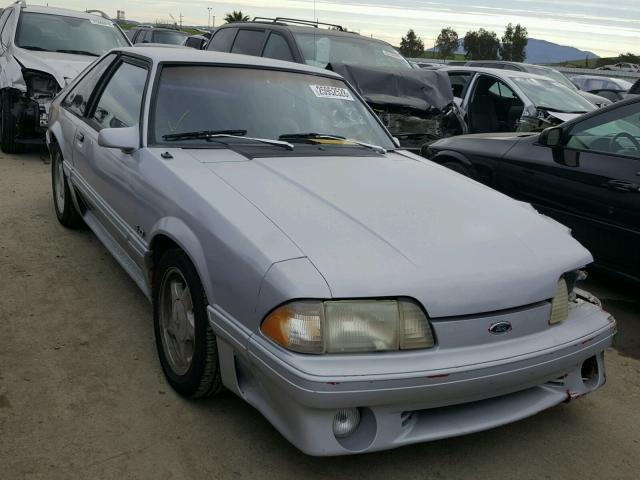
point(82, 394)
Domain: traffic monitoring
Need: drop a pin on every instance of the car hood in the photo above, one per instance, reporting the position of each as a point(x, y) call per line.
point(595, 99)
point(63, 66)
point(397, 225)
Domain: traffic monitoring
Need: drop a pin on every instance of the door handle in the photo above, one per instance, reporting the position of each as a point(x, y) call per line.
point(622, 186)
point(80, 137)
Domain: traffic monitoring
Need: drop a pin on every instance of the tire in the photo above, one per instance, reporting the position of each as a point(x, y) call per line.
point(459, 168)
point(186, 344)
point(62, 201)
point(8, 125)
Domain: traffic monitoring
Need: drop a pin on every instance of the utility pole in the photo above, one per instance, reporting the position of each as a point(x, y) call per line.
point(180, 17)
point(209, 20)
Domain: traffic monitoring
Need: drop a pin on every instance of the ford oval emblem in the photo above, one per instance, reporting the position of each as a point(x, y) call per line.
point(500, 327)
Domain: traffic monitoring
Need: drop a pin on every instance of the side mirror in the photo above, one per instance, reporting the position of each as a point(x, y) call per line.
point(551, 137)
point(126, 139)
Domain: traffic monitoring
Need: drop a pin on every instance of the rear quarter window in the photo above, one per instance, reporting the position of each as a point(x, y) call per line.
point(248, 42)
point(222, 40)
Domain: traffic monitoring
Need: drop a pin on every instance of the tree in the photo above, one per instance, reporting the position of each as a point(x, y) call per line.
point(236, 17)
point(411, 46)
point(481, 45)
point(447, 42)
point(514, 43)
point(628, 57)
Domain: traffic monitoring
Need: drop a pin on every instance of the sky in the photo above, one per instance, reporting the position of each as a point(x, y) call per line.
point(604, 28)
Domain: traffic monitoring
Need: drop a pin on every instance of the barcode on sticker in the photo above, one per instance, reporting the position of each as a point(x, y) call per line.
point(102, 23)
point(325, 91)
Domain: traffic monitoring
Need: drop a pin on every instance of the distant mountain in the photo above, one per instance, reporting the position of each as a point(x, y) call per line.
point(542, 51)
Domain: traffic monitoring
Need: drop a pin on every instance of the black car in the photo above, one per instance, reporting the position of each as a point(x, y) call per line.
point(584, 173)
point(146, 34)
point(416, 105)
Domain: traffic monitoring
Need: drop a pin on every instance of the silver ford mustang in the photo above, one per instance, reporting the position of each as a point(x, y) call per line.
point(357, 295)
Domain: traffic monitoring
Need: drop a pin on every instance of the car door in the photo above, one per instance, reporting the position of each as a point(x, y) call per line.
point(591, 184)
point(107, 171)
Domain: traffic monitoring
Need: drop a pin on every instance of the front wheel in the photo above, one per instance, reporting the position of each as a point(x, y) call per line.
point(62, 201)
point(185, 342)
point(8, 125)
point(458, 167)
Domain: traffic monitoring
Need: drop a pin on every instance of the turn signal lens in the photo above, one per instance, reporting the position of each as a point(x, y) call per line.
point(415, 328)
point(349, 326)
point(297, 326)
point(560, 304)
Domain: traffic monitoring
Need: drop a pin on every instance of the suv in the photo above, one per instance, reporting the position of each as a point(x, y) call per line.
point(416, 105)
point(552, 73)
point(41, 50)
point(148, 34)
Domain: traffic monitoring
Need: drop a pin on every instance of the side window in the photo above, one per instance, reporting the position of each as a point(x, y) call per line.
point(277, 48)
point(459, 82)
point(502, 90)
point(248, 42)
point(77, 99)
point(121, 101)
point(222, 40)
point(615, 132)
point(5, 36)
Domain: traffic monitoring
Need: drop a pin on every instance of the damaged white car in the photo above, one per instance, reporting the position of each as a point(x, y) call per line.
point(495, 100)
point(41, 50)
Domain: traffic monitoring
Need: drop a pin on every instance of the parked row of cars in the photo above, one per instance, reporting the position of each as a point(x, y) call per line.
point(295, 252)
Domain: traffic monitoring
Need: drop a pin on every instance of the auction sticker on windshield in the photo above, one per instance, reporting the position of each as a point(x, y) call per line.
point(325, 91)
point(102, 23)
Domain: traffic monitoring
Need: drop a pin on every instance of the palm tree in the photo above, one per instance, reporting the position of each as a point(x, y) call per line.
point(236, 17)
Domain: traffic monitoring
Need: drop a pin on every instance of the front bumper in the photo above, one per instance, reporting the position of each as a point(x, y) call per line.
point(500, 386)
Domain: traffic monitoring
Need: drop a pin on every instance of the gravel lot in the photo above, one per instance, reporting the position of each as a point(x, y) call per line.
point(82, 394)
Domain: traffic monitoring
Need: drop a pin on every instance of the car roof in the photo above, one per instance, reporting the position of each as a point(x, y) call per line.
point(159, 54)
point(302, 29)
point(62, 11)
point(496, 72)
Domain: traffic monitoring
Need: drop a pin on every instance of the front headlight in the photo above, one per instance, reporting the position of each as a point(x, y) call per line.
point(565, 295)
point(349, 326)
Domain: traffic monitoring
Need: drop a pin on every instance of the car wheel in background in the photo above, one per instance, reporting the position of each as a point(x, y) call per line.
point(458, 167)
point(62, 201)
point(185, 342)
point(8, 125)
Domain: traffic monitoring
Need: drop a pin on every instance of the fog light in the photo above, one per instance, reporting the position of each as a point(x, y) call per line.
point(346, 422)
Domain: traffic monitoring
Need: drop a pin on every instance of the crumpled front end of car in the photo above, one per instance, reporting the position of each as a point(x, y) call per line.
point(482, 371)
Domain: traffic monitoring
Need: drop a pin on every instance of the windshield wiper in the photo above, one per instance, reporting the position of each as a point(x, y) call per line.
point(552, 109)
point(78, 52)
point(202, 134)
point(215, 135)
point(33, 47)
point(322, 136)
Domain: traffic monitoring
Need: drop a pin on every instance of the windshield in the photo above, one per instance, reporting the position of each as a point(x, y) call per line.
point(266, 104)
point(57, 33)
point(321, 49)
point(553, 75)
point(167, 37)
point(552, 95)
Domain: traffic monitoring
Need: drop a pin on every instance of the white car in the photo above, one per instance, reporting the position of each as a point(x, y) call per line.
point(622, 67)
point(41, 50)
point(359, 296)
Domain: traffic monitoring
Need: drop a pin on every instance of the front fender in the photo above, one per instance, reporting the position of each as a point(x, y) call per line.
point(441, 157)
point(180, 233)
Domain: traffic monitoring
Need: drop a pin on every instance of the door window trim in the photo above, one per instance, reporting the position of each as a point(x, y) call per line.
point(104, 81)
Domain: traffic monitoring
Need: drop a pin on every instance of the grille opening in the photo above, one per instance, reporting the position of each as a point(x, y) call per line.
point(590, 372)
